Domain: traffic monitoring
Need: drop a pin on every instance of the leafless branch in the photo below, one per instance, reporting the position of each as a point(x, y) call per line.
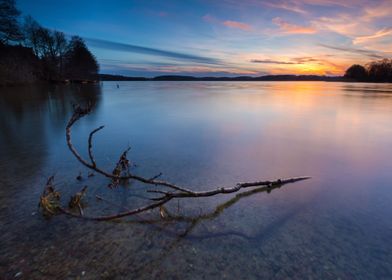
point(77, 115)
point(122, 166)
point(90, 144)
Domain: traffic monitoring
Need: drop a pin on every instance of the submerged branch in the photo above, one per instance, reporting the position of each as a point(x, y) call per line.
point(122, 166)
point(228, 190)
point(90, 145)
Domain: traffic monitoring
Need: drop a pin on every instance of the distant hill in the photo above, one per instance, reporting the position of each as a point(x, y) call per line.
point(108, 77)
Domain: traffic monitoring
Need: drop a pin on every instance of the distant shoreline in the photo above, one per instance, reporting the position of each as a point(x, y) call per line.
point(281, 78)
point(179, 78)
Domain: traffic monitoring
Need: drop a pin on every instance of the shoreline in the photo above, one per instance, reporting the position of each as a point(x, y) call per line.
point(193, 79)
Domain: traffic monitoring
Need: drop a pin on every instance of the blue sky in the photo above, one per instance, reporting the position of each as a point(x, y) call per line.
point(223, 38)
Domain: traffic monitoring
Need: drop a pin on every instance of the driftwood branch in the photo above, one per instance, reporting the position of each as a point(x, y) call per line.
point(166, 190)
point(90, 145)
point(77, 115)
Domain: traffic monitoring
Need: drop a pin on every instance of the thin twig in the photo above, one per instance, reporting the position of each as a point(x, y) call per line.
point(156, 176)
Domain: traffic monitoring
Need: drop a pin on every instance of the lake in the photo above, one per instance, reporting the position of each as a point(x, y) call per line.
point(202, 135)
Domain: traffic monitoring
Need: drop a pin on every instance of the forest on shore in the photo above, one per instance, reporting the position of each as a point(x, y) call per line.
point(31, 53)
point(376, 72)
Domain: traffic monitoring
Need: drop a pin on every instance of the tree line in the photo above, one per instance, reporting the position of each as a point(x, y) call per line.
point(30, 52)
point(377, 71)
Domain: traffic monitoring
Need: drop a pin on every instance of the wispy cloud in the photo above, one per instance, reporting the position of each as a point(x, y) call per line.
point(176, 69)
point(290, 28)
point(327, 3)
point(361, 24)
point(341, 24)
point(292, 7)
point(237, 24)
point(269, 61)
point(305, 59)
point(116, 46)
point(380, 10)
point(368, 53)
point(379, 34)
point(291, 61)
point(296, 6)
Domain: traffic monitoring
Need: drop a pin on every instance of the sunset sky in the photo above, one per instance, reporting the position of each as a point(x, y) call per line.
point(225, 37)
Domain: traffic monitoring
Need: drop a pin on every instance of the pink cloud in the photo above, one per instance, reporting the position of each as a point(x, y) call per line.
point(237, 24)
point(227, 23)
point(290, 28)
point(378, 11)
point(379, 34)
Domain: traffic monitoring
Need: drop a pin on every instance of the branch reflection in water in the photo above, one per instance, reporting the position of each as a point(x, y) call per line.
point(192, 221)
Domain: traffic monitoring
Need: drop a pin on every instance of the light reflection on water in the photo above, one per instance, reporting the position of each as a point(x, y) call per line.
point(203, 134)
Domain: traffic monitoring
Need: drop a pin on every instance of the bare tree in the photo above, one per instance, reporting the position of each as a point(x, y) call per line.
point(9, 27)
point(31, 37)
point(50, 46)
point(60, 49)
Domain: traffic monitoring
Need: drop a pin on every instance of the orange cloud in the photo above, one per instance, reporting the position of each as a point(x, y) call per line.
point(238, 25)
point(290, 28)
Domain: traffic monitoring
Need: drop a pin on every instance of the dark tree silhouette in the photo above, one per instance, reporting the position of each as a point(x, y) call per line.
point(18, 65)
point(49, 46)
point(80, 62)
point(60, 47)
point(54, 46)
point(356, 72)
point(377, 71)
point(380, 71)
point(42, 54)
point(33, 33)
point(9, 27)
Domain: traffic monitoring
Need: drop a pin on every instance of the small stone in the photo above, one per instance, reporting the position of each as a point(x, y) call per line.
point(19, 274)
point(83, 273)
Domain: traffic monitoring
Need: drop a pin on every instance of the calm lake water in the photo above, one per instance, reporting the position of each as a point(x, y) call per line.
point(203, 135)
